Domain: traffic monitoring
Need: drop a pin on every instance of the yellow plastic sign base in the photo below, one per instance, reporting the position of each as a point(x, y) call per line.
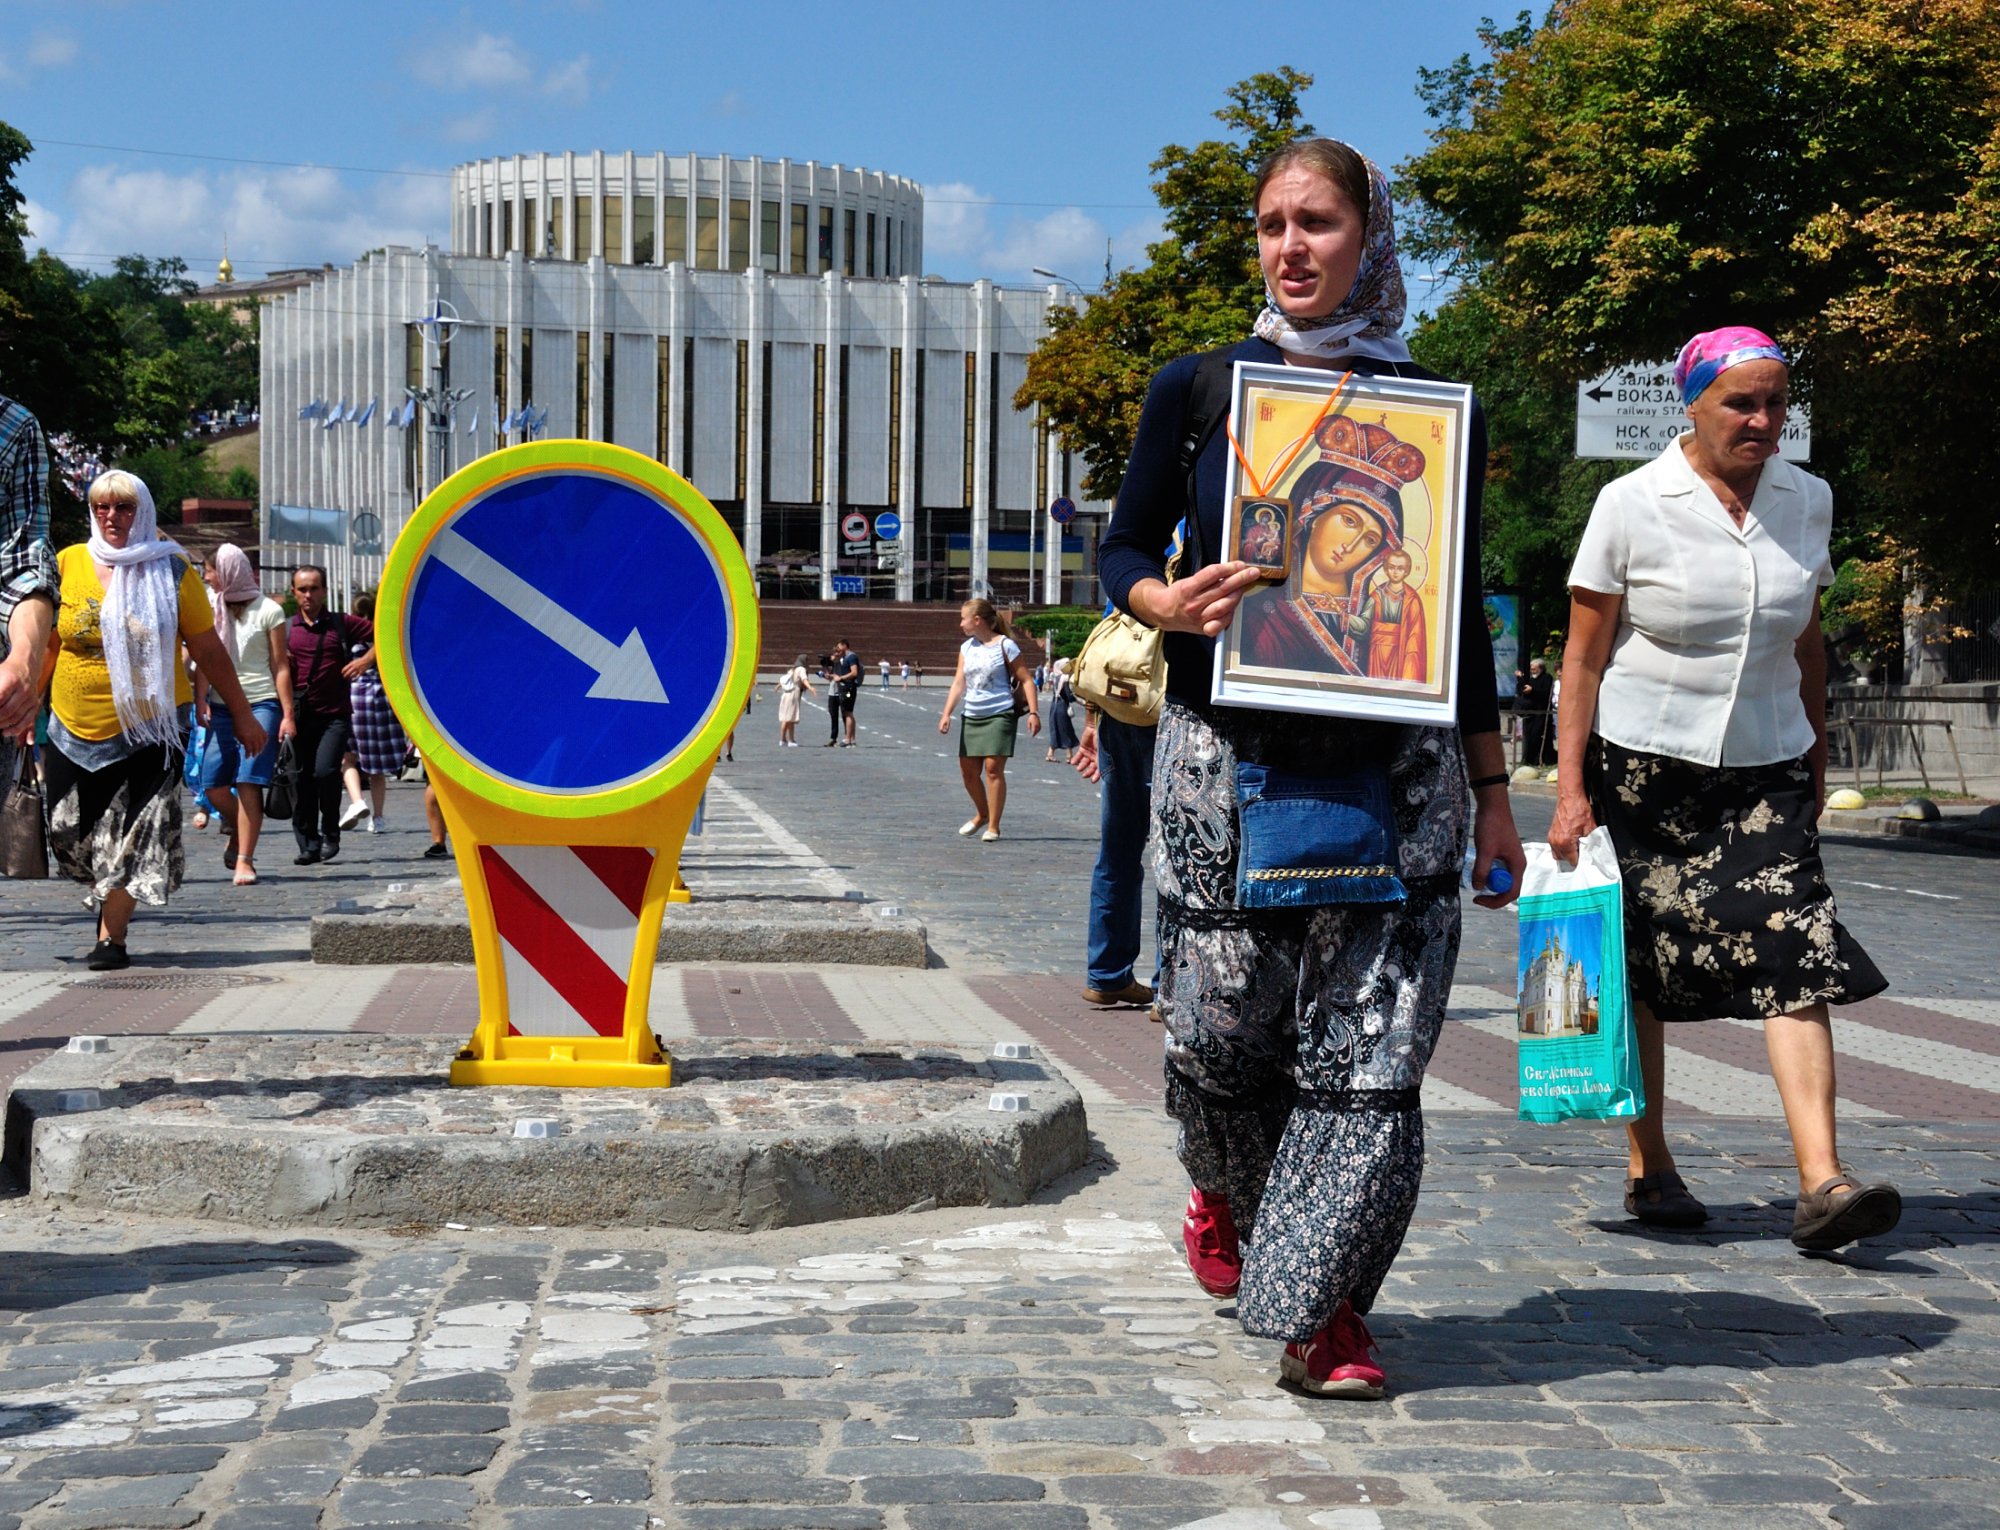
point(566, 872)
point(566, 1062)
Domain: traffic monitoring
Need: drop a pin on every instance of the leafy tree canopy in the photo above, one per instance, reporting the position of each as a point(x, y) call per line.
point(118, 362)
point(1199, 288)
point(1632, 171)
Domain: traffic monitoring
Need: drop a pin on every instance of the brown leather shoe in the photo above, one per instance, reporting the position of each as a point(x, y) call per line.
point(1134, 992)
point(1663, 1200)
point(1843, 1210)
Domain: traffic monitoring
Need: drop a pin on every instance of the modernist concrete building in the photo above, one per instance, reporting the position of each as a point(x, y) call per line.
point(757, 325)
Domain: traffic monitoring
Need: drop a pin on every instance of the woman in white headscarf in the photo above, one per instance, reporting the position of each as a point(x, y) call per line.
point(251, 626)
point(129, 601)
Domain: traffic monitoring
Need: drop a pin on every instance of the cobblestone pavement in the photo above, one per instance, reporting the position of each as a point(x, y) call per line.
point(1551, 1364)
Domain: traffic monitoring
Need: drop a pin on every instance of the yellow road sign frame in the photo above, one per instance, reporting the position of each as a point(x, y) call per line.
point(654, 811)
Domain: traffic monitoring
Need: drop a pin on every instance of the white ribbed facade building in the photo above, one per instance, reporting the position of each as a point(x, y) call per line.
point(785, 358)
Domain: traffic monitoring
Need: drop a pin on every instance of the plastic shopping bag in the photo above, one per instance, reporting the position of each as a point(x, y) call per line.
point(1579, 1056)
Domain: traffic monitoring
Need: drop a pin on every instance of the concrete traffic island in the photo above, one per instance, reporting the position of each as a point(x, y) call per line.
point(429, 924)
point(363, 1131)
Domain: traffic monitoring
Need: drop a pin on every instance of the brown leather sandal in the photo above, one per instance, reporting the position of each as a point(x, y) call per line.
point(1843, 1210)
point(1663, 1200)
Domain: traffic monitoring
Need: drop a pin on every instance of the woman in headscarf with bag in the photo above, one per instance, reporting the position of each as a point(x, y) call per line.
point(1693, 727)
point(129, 602)
point(1297, 1038)
point(252, 626)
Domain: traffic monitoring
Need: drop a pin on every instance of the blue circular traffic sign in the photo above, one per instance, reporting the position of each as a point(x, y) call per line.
point(888, 526)
point(568, 631)
point(1063, 511)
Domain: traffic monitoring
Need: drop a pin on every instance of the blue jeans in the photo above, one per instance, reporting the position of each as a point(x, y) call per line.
point(1118, 882)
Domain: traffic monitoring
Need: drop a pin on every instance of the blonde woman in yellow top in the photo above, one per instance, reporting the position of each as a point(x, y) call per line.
point(129, 601)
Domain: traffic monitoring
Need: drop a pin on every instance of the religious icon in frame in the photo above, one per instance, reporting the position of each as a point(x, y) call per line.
point(1261, 535)
point(1361, 615)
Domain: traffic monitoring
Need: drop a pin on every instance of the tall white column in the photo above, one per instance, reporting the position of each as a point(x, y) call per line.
point(833, 329)
point(593, 429)
point(982, 432)
point(906, 448)
point(753, 422)
point(1052, 592)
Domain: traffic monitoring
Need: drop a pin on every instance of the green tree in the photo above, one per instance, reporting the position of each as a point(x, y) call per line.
point(1199, 288)
point(117, 362)
point(1632, 171)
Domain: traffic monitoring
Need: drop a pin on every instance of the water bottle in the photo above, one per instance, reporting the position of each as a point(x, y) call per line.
point(1498, 878)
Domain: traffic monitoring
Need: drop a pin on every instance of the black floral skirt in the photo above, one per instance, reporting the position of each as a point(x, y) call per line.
point(1727, 911)
point(118, 829)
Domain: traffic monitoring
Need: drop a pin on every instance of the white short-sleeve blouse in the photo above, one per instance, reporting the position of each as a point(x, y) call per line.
point(1704, 664)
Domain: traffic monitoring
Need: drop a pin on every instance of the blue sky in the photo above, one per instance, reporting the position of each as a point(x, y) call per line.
point(1030, 125)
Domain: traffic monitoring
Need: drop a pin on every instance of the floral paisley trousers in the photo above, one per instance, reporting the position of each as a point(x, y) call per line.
point(1297, 1038)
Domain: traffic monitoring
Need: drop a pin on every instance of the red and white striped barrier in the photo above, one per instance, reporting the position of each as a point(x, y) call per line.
point(567, 916)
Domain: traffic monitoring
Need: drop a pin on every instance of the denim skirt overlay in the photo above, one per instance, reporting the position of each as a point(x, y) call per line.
point(1297, 1038)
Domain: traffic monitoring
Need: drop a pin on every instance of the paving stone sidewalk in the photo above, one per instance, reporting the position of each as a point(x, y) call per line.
point(1550, 1364)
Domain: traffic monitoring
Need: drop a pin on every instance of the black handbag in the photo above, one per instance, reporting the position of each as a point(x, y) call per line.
point(282, 793)
point(24, 828)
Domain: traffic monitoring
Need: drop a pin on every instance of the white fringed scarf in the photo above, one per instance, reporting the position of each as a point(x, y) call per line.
point(140, 624)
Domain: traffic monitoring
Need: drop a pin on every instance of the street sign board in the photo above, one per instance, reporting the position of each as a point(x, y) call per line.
point(888, 525)
point(854, 526)
point(888, 555)
point(850, 584)
point(604, 587)
point(1063, 511)
point(1631, 413)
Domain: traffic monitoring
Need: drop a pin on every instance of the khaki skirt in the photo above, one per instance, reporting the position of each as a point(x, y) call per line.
point(985, 738)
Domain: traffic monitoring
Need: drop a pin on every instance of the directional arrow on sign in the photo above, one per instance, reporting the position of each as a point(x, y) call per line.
point(625, 671)
point(1599, 394)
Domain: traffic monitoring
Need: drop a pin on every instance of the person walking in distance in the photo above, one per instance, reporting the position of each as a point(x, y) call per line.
point(1119, 757)
point(319, 640)
point(842, 689)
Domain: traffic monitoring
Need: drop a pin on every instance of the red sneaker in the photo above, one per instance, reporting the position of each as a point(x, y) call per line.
point(1209, 1233)
point(1334, 1362)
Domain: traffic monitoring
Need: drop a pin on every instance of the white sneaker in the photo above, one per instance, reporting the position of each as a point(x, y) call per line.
point(352, 814)
point(377, 825)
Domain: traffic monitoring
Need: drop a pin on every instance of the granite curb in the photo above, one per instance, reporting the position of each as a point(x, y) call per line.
point(404, 929)
point(363, 1131)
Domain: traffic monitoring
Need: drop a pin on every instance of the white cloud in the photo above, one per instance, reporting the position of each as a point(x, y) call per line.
point(45, 50)
point(570, 82)
point(967, 234)
point(488, 62)
point(494, 65)
point(44, 227)
point(955, 220)
point(51, 50)
point(270, 217)
point(473, 127)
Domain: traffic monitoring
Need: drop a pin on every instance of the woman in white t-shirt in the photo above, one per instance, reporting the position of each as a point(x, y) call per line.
point(1693, 727)
point(988, 660)
point(253, 626)
point(788, 686)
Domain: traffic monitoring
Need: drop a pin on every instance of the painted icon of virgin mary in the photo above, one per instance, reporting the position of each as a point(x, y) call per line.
point(1349, 606)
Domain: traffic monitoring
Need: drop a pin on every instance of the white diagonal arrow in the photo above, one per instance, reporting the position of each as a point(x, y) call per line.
point(625, 671)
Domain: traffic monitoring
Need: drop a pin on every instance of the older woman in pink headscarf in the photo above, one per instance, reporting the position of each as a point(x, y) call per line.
point(1693, 727)
point(252, 626)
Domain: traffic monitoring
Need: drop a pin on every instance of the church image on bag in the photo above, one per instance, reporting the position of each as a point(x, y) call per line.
point(1558, 997)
